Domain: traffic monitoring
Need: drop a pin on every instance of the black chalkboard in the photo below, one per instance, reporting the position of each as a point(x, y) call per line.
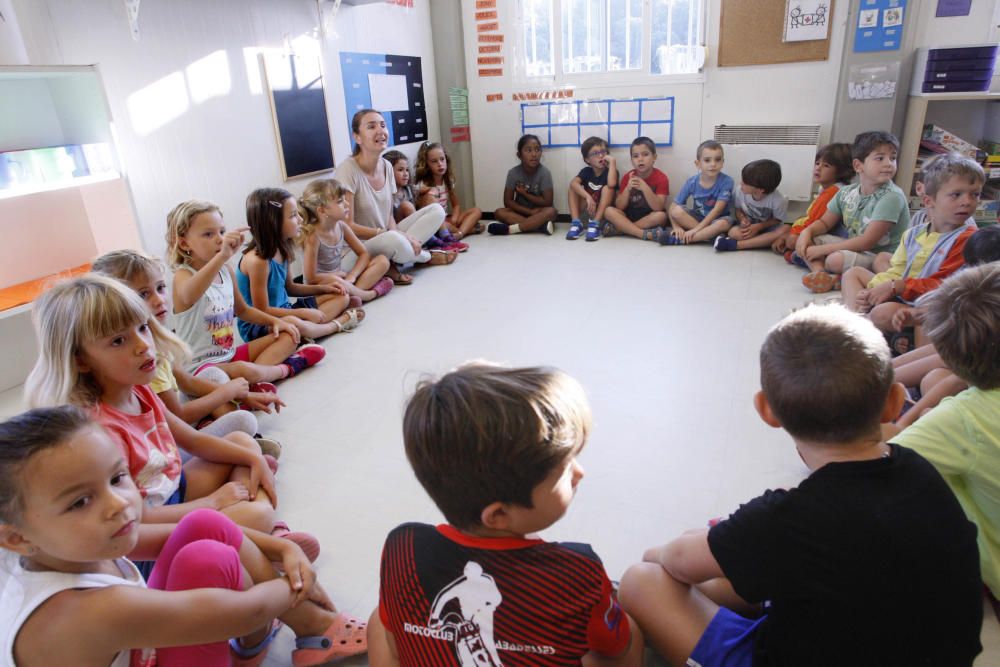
point(298, 106)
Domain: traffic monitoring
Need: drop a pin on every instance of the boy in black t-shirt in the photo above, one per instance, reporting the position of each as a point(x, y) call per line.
point(496, 450)
point(869, 561)
point(592, 190)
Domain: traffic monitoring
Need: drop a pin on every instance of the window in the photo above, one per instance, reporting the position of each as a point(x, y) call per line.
point(612, 36)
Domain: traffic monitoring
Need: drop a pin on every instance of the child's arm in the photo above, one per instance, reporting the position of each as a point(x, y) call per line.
point(210, 395)
point(363, 232)
point(189, 287)
point(576, 187)
point(310, 253)
point(296, 289)
point(711, 216)
point(657, 202)
point(822, 226)
point(608, 191)
point(255, 316)
point(508, 202)
point(219, 450)
point(456, 206)
point(864, 242)
point(544, 199)
point(621, 199)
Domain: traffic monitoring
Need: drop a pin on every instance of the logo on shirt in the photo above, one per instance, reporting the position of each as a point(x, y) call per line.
point(466, 607)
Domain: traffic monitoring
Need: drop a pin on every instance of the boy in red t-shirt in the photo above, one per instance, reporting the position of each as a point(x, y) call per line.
point(640, 208)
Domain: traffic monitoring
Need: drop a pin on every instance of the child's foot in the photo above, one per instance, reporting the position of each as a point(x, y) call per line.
point(268, 446)
point(498, 229)
point(819, 282)
point(725, 243)
point(653, 234)
point(548, 228)
point(669, 238)
point(575, 230)
point(349, 320)
point(456, 246)
point(252, 656)
point(593, 232)
point(304, 357)
point(441, 257)
point(607, 229)
point(305, 541)
point(346, 636)
point(382, 287)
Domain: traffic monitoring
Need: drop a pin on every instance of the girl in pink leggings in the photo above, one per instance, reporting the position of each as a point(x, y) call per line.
point(69, 515)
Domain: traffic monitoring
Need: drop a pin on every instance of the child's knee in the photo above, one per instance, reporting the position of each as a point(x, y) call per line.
point(244, 440)
point(209, 524)
point(380, 262)
point(638, 582)
point(834, 262)
point(205, 563)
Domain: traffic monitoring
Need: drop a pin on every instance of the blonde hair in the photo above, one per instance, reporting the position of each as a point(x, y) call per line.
point(69, 314)
point(321, 192)
point(179, 222)
point(129, 266)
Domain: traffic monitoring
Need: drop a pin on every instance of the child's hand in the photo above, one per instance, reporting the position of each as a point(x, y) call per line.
point(905, 317)
point(688, 236)
point(261, 477)
point(635, 183)
point(591, 207)
point(332, 288)
point(861, 301)
point(739, 232)
point(414, 243)
point(232, 241)
point(813, 252)
point(281, 325)
point(229, 494)
point(521, 187)
point(609, 160)
point(880, 293)
point(237, 389)
point(319, 597)
point(803, 242)
point(779, 245)
point(264, 401)
point(301, 575)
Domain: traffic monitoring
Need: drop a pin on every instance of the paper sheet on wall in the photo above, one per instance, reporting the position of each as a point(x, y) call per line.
point(806, 20)
point(459, 98)
point(388, 92)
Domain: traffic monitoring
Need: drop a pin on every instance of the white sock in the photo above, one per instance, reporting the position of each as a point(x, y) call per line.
point(514, 229)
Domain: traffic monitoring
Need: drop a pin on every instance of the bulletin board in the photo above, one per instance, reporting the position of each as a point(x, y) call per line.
point(298, 108)
point(751, 34)
point(392, 85)
point(569, 123)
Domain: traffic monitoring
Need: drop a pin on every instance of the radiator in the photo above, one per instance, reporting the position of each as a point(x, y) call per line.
point(791, 146)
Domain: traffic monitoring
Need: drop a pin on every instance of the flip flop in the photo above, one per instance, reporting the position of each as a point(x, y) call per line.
point(345, 637)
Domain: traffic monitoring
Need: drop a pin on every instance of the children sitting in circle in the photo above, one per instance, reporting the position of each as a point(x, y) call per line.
point(592, 190)
point(435, 183)
point(759, 208)
point(711, 194)
point(930, 250)
point(527, 194)
point(207, 303)
point(263, 279)
point(326, 239)
point(640, 206)
point(874, 212)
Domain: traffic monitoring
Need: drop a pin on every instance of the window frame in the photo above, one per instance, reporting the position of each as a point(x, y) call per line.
point(624, 77)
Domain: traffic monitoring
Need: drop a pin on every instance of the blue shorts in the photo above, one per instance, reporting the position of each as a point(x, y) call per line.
point(727, 641)
point(255, 331)
point(176, 498)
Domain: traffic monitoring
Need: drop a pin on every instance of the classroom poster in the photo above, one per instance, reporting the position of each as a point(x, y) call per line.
point(394, 85)
point(806, 20)
point(880, 25)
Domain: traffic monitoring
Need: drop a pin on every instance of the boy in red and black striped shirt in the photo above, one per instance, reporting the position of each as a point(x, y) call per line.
point(496, 450)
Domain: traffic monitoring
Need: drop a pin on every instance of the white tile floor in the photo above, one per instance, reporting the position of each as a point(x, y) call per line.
point(665, 340)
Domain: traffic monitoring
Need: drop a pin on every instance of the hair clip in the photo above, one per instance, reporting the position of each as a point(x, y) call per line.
point(275, 204)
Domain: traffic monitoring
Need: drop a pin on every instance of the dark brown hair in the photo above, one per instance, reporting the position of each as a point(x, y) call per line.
point(265, 217)
point(708, 144)
point(763, 174)
point(867, 143)
point(483, 434)
point(826, 373)
point(838, 156)
point(590, 143)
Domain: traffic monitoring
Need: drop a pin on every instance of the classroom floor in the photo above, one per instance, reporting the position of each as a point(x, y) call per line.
point(665, 340)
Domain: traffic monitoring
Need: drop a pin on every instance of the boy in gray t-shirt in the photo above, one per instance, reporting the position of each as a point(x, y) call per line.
point(759, 207)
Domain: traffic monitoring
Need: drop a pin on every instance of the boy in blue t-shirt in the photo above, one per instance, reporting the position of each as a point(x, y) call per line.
point(592, 190)
point(711, 191)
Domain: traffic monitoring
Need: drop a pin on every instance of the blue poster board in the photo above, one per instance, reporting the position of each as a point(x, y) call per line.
point(393, 85)
point(880, 25)
point(570, 122)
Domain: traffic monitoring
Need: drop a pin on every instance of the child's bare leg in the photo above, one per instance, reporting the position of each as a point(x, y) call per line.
point(538, 219)
point(374, 272)
point(271, 351)
point(673, 616)
point(332, 304)
point(720, 226)
point(575, 201)
point(855, 280)
point(330, 326)
point(205, 478)
point(882, 262)
point(621, 222)
point(881, 315)
point(509, 216)
point(912, 370)
point(938, 384)
point(681, 219)
point(834, 262)
point(765, 240)
point(379, 653)
point(468, 220)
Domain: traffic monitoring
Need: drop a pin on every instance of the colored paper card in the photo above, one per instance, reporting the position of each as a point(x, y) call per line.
point(490, 48)
point(490, 60)
point(953, 7)
point(486, 16)
point(491, 71)
point(880, 25)
point(460, 134)
point(496, 38)
point(486, 4)
point(494, 97)
point(488, 27)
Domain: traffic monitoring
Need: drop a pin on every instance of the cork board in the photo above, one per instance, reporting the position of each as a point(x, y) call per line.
point(750, 34)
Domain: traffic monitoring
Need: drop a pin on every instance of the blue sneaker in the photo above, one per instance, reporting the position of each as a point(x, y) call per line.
point(724, 243)
point(575, 230)
point(668, 238)
point(593, 232)
point(497, 229)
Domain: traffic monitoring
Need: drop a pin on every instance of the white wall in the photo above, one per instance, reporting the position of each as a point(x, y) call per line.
point(12, 50)
point(186, 99)
point(792, 93)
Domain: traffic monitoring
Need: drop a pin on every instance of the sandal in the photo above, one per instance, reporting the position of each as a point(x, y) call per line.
point(345, 637)
point(352, 320)
point(383, 286)
point(819, 282)
point(253, 656)
point(308, 543)
point(401, 279)
point(441, 257)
